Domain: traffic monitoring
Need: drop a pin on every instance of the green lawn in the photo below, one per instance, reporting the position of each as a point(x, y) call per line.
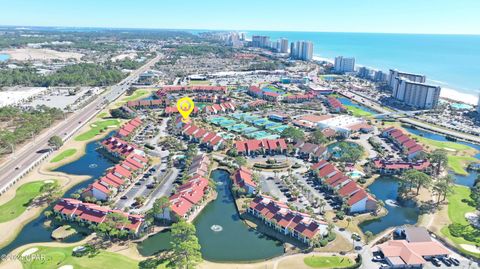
point(456, 213)
point(64, 154)
point(136, 95)
point(358, 112)
point(102, 115)
point(96, 128)
point(456, 207)
point(458, 163)
point(200, 82)
point(58, 257)
point(447, 145)
point(328, 261)
point(19, 203)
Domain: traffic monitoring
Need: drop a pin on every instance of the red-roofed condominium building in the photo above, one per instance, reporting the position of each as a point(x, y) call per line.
point(75, 210)
point(265, 146)
point(188, 199)
point(206, 139)
point(243, 178)
point(129, 128)
point(309, 151)
point(120, 148)
point(390, 167)
point(120, 176)
point(347, 190)
point(407, 145)
point(282, 219)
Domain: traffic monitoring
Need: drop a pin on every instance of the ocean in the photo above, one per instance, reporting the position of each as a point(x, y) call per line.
point(451, 61)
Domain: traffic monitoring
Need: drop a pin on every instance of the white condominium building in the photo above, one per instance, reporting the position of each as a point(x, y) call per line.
point(260, 41)
point(344, 65)
point(284, 45)
point(302, 50)
point(410, 76)
point(418, 95)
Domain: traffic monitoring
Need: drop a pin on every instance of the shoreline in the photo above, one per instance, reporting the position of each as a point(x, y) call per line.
point(446, 93)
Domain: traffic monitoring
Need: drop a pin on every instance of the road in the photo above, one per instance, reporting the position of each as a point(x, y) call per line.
point(33, 153)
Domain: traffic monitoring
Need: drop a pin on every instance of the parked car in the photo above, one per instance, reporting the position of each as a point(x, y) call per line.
point(454, 261)
point(435, 262)
point(446, 261)
point(124, 197)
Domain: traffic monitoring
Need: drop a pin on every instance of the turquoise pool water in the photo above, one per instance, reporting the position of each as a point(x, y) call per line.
point(461, 106)
point(4, 57)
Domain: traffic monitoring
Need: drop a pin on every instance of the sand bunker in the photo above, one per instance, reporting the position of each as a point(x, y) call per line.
point(470, 248)
point(29, 252)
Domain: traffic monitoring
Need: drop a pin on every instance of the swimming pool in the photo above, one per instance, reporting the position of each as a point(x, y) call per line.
point(461, 106)
point(355, 174)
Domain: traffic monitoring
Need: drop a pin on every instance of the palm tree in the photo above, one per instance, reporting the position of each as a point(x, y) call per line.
point(322, 205)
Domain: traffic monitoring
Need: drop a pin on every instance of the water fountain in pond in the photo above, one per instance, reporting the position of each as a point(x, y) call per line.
point(93, 165)
point(216, 228)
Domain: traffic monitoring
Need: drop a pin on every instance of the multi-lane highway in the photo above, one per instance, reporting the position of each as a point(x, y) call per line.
point(33, 153)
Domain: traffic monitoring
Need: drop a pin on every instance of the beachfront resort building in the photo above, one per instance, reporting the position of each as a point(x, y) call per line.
point(282, 219)
point(259, 41)
point(416, 95)
point(302, 50)
point(411, 90)
point(344, 64)
point(395, 74)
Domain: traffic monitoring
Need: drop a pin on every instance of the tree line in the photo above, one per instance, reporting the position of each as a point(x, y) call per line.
point(18, 125)
point(82, 74)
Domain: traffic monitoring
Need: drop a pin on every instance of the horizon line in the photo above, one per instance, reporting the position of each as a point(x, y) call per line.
point(233, 30)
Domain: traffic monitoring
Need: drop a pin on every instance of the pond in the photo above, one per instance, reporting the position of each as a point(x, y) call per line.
point(34, 231)
point(386, 189)
point(468, 180)
point(155, 243)
point(348, 102)
point(222, 234)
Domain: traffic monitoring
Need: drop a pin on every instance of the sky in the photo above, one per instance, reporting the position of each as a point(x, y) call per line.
point(373, 16)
